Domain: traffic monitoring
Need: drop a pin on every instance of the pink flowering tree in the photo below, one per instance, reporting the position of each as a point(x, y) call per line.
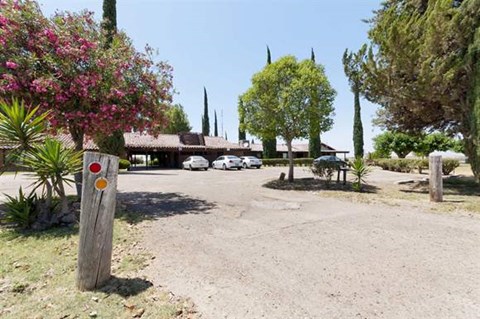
point(62, 65)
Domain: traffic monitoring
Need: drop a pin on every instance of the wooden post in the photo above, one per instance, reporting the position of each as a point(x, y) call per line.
point(99, 191)
point(436, 182)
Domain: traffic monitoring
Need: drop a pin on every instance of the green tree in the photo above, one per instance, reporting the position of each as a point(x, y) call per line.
point(269, 144)
point(434, 142)
point(314, 141)
point(419, 48)
point(352, 64)
point(215, 124)
point(205, 119)
point(241, 132)
point(399, 143)
point(177, 120)
point(278, 102)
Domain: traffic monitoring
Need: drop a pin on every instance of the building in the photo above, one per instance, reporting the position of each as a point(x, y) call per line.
point(298, 150)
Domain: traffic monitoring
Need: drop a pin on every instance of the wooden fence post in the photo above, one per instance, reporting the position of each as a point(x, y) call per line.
point(99, 190)
point(436, 182)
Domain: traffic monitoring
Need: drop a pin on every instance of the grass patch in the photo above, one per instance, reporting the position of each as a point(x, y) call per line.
point(37, 279)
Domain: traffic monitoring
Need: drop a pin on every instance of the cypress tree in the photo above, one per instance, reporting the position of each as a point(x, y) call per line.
point(269, 145)
point(226, 137)
point(241, 133)
point(205, 119)
point(215, 125)
point(109, 21)
point(314, 141)
point(352, 63)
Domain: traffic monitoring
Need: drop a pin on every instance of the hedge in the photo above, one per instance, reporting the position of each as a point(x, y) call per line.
point(124, 164)
point(284, 161)
point(407, 165)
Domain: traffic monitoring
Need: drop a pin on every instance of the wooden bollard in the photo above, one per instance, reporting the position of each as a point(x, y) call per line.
point(435, 181)
point(97, 210)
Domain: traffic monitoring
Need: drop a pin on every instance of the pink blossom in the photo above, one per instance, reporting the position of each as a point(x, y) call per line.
point(11, 65)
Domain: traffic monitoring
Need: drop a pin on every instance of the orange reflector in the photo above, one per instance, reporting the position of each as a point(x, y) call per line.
point(101, 183)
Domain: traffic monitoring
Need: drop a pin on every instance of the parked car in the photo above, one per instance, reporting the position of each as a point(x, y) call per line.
point(227, 162)
point(251, 161)
point(195, 162)
point(330, 159)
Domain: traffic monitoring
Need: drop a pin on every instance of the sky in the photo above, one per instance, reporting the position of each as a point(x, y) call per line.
point(220, 44)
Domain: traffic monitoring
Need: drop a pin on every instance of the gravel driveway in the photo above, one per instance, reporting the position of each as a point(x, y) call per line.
point(243, 251)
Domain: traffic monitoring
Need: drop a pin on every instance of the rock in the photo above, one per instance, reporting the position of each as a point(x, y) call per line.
point(95, 299)
point(68, 218)
point(138, 313)
point(93, 314)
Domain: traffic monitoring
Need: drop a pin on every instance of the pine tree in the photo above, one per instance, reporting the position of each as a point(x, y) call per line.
point(205, 119)
point(215, 125)
point(314, 141)
point(269, 145)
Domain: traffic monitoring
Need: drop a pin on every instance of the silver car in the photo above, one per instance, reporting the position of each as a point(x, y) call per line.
point(195, 162)
point(251, 161)
point(227, 162)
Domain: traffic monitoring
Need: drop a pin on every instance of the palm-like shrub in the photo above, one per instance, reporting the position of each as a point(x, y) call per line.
point(360, 170)
point(21, 210)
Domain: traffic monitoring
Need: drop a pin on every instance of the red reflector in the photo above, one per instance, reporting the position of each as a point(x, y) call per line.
point(95, 167)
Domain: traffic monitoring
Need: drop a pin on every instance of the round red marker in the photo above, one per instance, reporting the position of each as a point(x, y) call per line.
point(95, 167)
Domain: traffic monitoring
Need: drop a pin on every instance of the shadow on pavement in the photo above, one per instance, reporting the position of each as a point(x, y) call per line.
point(311, 184)
point(139, 206)
point(462, 186)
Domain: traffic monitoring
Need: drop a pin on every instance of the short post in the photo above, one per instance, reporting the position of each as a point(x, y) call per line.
point(97, 210)
point(436, 182)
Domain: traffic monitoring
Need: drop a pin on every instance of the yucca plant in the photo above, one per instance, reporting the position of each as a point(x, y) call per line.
point(360, 170)
point(20, 127)
point(52, 163)
point(21, 210)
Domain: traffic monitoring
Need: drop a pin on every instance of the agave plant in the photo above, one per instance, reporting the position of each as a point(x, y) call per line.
point(52, 165)
point(21, 127)
point(21, 210)
point(360, 170)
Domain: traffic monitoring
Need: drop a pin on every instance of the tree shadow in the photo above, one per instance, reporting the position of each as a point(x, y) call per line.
point(311, 184)
point(139, 206)
point(460, 186)
point(125, 287)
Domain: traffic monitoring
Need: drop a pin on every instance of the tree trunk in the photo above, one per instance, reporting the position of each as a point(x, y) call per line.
point(290, 161)
point(77, 136)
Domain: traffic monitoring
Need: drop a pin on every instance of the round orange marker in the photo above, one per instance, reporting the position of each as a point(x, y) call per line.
point(101, 183)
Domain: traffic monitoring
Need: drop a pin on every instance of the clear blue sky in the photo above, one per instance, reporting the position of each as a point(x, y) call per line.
point(221, 44)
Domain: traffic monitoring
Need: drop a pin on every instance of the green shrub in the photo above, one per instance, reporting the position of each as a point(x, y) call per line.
point(402, 165)
point(284, 161)
point(359, 170)
point(124, 164)
point(325, 170)
point(21, 210)
point(137, 160)
point(449, 165)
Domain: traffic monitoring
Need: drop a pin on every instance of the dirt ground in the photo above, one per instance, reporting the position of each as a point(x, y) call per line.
point(240, 250)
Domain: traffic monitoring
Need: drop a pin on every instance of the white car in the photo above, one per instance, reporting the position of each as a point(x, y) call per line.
point(227, 162)
point(195, 162)
point(251, 161)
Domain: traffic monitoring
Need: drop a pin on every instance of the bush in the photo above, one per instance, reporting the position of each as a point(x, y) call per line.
point(137, 160)
point(403, 165)
point(124, 164)
point(284, 161)
point(449, 165)
point(360, 170)
point(325, 170)
point(21, 210)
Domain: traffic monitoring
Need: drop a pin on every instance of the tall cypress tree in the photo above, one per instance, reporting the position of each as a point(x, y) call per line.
point(269, 145)
point(314, 141)
point(215, 124)
point(109, 22)
point(205, 119)
point(114, 143)
point(241, 132)
point(352, 63)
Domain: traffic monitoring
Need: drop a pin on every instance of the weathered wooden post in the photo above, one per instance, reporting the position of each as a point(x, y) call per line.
point(436, 182)
point(99, 190)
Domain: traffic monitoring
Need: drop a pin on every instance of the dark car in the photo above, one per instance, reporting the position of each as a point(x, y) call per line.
point(330, 159)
